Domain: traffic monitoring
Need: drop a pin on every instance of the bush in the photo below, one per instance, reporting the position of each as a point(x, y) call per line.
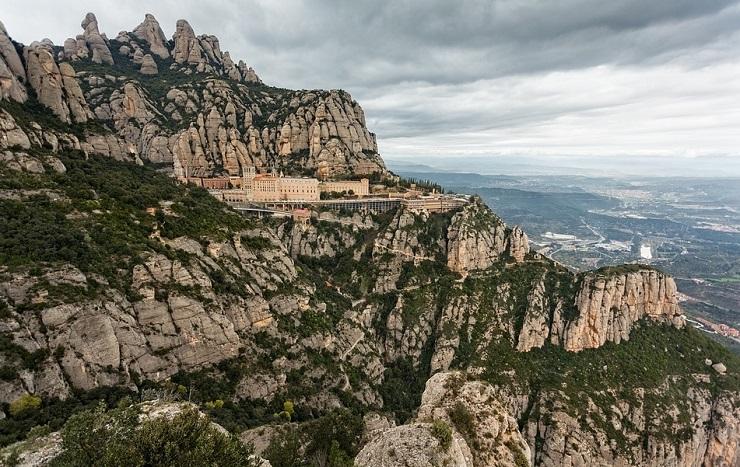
point(23, 404)
point(442, 431)
point(189, 439)
point(331, 440)
point(217, 404)
point(520, 460)
point(115, 438)
point(462, 419)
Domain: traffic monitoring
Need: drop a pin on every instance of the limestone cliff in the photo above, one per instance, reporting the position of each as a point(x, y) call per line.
point(206, 116)
point(478, 239)
point(12, 73)
point(610, 302)
point(366, 308)
point(483, 432)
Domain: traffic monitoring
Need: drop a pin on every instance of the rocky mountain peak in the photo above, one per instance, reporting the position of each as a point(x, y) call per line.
point(95, 41)
point(185, 42)
point(150, 32)
point(12, 73)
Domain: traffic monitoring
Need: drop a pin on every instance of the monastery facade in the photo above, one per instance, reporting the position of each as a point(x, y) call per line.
point(272, 187)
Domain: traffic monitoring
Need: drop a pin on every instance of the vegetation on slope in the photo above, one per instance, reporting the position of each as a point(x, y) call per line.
point(96, 218)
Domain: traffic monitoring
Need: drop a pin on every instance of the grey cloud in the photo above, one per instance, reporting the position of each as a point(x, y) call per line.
point(370, 43)
point(475, 76)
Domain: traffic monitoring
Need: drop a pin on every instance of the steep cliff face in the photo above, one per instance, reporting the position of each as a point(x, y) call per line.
point(483, 433)
point(12, 73)
point(609, 303)
point(478, 239)
point(186, 103)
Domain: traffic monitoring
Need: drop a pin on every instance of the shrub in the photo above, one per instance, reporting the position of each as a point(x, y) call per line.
point(520, 460)
point(108, 438)
point(189, 439)
point(462, 419)
point(288, 410)
point(24, 404)
point(442, 431)
point(217, 404)
point(284, 450)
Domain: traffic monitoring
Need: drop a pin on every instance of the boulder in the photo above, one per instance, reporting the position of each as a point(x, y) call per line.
point(11, 135)
point(148, 66)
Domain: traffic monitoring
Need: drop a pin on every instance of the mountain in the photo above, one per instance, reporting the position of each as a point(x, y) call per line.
point(396, 338)
point(182, 103)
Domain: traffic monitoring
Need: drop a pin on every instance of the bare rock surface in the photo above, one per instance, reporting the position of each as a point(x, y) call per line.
point(150, 32)
point(95, 42)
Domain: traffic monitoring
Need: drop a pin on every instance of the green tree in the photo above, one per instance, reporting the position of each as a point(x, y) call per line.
point(189, 439)
point(24, 404)
point(284, 450)
point(115, 438)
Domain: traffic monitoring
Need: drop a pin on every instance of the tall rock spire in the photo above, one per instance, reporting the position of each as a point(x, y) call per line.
point(95, 41)
point(152, 33)
point(12, 74)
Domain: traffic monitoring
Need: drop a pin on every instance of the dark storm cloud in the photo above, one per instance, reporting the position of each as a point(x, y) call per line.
point(444, 75)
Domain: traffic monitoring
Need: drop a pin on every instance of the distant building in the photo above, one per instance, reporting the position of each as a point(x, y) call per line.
point(646, 252)
point(359, 188)
point(434, 203)
point(302, 216)
point(268, 187)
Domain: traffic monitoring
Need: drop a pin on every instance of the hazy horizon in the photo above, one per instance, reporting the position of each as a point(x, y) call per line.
point(725, 167)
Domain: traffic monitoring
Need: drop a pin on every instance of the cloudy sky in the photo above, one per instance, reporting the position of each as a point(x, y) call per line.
point(476, 78)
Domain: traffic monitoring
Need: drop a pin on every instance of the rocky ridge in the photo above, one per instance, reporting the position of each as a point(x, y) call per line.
point(206, 116)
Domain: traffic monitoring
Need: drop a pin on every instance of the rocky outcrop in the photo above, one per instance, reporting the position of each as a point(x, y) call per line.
point(561, 437)
point(340, 143)
point(607, 306)
point(187, 49)
point(517, 244)
point(203, 53)
point(150, 32)
point(12, 73)
point(211, 125)
point(45, 79)
point(483, 433)
point(11, 135)
point(148, 66)
point(536, 325)
point(326, 236)
point(106, 340)
point(95, 41)
point(56, 86)
point(412, 445)
point(477, 239)
point(609, 303)
point(74, 98)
